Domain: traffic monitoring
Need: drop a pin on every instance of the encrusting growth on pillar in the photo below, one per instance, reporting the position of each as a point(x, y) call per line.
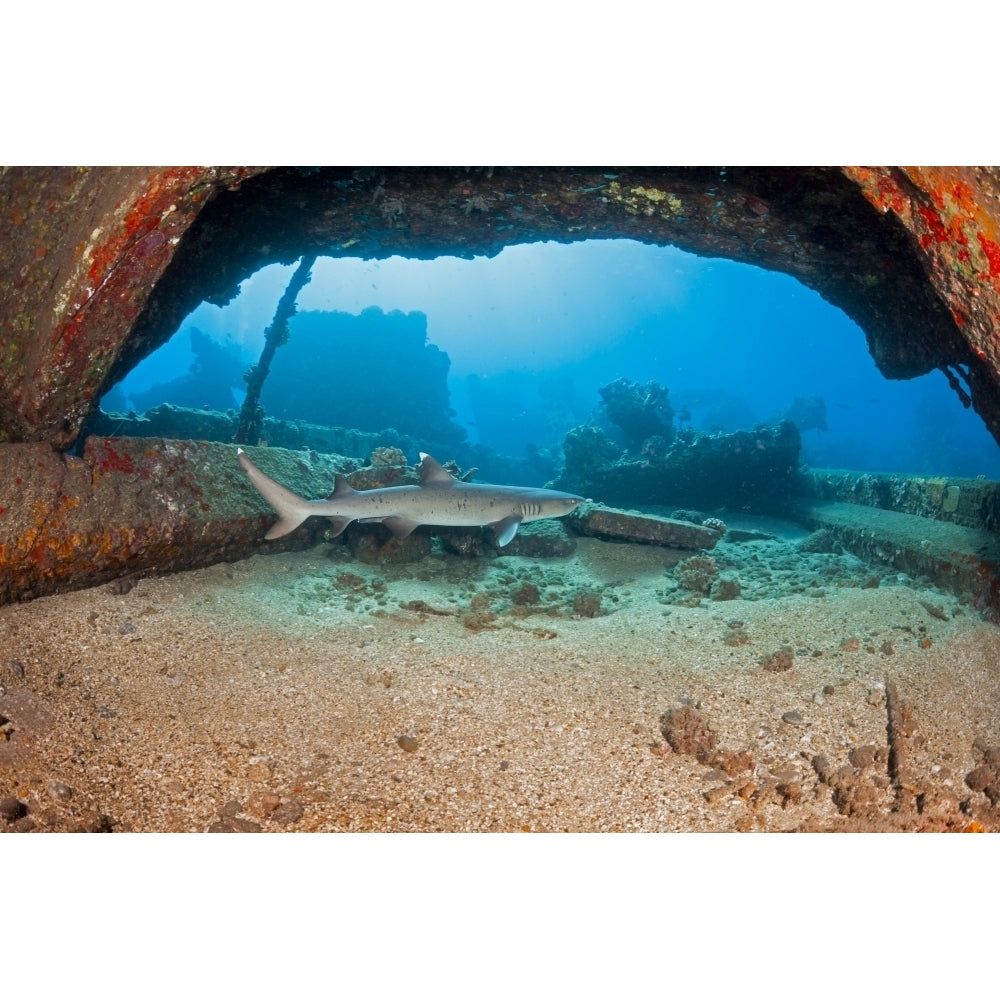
point(251, 413)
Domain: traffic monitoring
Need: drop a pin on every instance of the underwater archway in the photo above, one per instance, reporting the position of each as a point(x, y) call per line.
point(910, 254)
point(533, 333)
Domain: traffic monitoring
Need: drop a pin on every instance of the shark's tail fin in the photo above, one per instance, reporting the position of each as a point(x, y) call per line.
point(292, 509)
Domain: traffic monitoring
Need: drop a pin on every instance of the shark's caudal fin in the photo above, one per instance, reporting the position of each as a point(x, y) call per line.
point(292, 509)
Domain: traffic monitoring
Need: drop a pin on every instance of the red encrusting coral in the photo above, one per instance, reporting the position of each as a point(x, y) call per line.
point(992, 252)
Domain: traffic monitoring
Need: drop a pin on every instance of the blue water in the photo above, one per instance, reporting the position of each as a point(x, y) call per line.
point(532, 334)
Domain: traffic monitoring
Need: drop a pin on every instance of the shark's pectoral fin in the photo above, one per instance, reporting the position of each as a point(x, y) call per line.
point(506, 529)
point(401, 527)
point(339, 523)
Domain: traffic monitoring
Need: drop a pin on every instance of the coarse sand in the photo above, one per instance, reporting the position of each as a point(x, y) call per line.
point(309, 691)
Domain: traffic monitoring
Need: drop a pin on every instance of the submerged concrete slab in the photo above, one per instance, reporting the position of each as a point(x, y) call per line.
point(958, 558)
point(631, 526)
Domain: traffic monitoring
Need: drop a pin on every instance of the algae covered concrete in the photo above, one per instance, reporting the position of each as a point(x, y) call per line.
point(974, 503)
point(133, 507)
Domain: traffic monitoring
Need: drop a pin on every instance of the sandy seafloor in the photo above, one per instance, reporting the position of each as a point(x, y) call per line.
point(309, 691)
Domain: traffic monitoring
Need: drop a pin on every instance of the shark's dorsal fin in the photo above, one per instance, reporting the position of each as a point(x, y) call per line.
point(341, 488)
point(431, 471)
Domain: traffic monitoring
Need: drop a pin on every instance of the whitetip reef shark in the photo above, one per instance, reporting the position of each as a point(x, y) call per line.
point(440, 499)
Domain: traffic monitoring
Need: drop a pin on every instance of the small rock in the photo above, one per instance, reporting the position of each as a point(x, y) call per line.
point(263, 804)
point(876, 697)
point(822, 540)
point(977, 779)
point(790, 792)
point(939, 803)
point(91, 821)
point(260, 769)
point(12, 809)
point(726, 588)
point(823, 767)
point(587, 604)
point(290, 811)
point(935, 610)
point(731, 762)
point(713, 795)
point(780, 660)
point(234, 825)
point(736, 636)
point(862, 757)
point(793, 717)
point(843, 777)
point(60, 792)
point(527, 593)
point(407, 743)
point(687, 732)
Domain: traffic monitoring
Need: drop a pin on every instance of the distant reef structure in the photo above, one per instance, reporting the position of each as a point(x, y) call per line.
point(217, 369)
point(372, 371)
point(641, 412)
point(807, 413)
point(341, 384)
point(754, 470)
